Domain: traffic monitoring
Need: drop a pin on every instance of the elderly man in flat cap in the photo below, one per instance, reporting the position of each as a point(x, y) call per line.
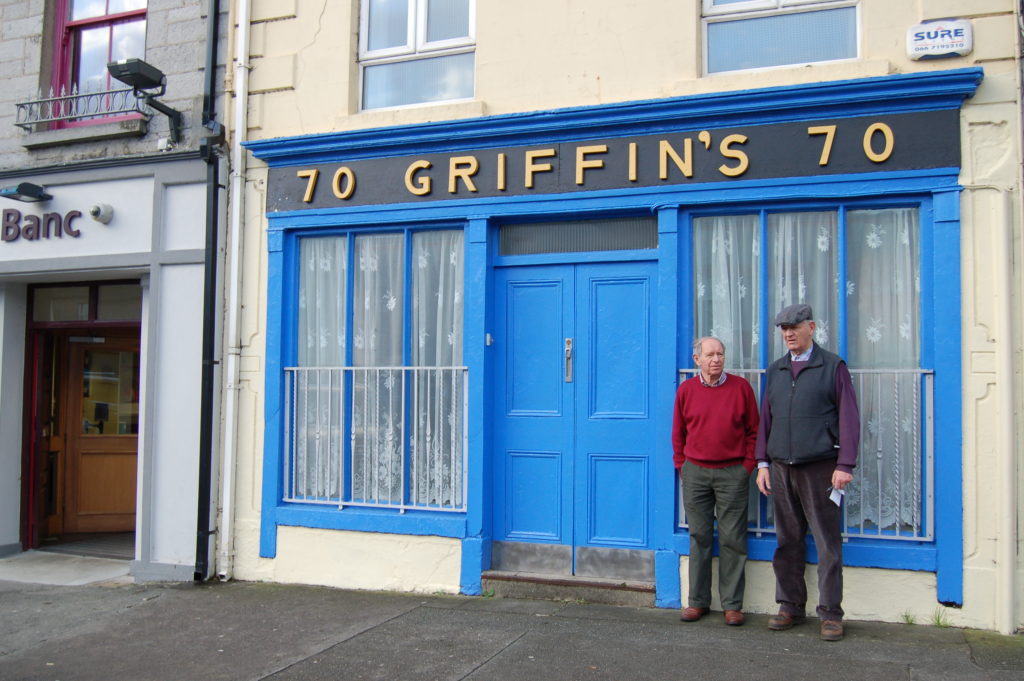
point(806, 451)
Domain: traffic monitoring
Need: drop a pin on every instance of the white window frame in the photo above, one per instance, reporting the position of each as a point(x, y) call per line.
point(756, 9)
point(768, 6)
point(416, 44)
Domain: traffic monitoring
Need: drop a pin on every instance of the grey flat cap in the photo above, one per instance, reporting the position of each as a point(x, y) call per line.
point(793, 315)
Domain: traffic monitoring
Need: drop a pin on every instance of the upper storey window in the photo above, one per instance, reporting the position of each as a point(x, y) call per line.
point(416, 51)
point(754, 34)
point(93, 33)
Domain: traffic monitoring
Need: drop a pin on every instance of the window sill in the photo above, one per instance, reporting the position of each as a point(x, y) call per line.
point(798, 74)
point(414, 113)
point(132, 127)
point(372, 520)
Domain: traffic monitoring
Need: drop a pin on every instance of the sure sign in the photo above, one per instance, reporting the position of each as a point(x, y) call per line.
point(940, 38)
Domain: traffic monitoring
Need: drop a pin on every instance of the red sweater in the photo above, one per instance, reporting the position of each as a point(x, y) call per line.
point(715, 427)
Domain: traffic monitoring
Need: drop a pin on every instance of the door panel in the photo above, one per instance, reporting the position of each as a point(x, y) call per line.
point(619, 343)
point(102, 436)
point(534, 328)
point(616, 502)
point(534, 470)
point(613, 428)
point(534, 496)
point(574, 433)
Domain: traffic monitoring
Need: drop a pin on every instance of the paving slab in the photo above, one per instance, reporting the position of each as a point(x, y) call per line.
point(42, 567)
point(273, 632)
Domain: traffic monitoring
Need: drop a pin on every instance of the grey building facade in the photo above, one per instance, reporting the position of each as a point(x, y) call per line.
point(111, 215)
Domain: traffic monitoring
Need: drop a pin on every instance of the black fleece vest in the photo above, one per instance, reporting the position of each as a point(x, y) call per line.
point(805, 414)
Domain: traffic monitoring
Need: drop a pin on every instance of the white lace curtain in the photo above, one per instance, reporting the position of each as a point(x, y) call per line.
point(882, 328)
point(884, 298)
point(378, 312)
point(727, 286)
point(322, 277)
point(803, 267)
point(316, 460)
point(382, 392)
point(436, 455)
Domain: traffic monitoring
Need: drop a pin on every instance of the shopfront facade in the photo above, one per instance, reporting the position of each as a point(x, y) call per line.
point(474, 328)
point(102, 299)
point(585, 265)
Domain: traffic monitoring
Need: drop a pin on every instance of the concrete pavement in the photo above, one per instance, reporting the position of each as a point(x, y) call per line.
point(113, 630)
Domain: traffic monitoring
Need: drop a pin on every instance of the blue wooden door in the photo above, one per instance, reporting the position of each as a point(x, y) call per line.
point(574, 431)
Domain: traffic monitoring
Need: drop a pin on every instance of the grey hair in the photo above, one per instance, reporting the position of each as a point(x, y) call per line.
point(698, 344)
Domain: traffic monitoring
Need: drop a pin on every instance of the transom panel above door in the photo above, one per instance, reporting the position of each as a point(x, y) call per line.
point(574, 422)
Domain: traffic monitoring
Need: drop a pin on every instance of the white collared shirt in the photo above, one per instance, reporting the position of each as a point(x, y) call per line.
point(719, 382)
point(803, 356)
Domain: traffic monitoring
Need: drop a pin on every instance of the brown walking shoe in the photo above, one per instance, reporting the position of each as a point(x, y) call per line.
point(831, 630)
point(692, 614)
point(784, 621)
point(734, 618)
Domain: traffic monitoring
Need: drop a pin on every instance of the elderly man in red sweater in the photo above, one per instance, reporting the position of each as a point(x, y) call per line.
point(714, 429)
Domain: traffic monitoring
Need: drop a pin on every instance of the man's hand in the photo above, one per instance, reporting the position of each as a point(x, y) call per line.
point(764, 481)
point(841, 479)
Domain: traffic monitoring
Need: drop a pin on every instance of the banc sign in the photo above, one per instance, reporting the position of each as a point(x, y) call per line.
point(16, 225)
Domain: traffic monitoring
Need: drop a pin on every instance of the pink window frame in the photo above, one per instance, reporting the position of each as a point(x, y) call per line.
point(64, 54)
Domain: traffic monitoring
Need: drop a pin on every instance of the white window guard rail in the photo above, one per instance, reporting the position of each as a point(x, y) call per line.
point(892, 494)
point(380, 437)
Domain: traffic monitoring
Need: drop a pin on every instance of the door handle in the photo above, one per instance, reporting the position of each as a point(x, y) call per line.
point(568, 360)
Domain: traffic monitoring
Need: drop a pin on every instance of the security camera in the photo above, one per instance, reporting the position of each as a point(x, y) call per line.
point(102, 212)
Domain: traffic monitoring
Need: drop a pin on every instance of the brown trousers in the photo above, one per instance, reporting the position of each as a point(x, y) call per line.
point(800, 499)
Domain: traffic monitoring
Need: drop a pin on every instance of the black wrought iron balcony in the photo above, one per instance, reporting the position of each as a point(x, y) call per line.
point(78, 106)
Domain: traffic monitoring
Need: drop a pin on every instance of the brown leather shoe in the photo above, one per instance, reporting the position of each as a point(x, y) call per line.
point(692, 614)
point(734, 618)
point(831, 630)
point(784, 621)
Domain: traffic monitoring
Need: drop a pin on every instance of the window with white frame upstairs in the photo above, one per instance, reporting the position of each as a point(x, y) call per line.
point(756, 34)
point(416, 51)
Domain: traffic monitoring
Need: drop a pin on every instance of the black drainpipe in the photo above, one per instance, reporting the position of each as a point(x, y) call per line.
point(209, 149)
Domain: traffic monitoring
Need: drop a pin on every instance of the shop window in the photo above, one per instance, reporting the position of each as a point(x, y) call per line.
point(416, 51)
point(860, 270)
point(107, 302)
point(376, 401)
point(61, 304)
point(753, 34)
point(119, 303)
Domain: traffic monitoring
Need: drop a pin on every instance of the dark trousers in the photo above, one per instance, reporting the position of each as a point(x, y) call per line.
point(709, 493)
point(800, 499)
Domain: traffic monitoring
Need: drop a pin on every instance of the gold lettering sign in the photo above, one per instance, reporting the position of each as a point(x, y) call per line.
point(777, 150)
point(420, 186)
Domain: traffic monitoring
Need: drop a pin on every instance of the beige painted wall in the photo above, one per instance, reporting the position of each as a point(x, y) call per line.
point(359, 560)
point(305, 79)
point(542, 54)
point(896, 595)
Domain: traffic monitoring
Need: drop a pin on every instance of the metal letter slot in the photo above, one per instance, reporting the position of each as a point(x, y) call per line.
point(568, 360)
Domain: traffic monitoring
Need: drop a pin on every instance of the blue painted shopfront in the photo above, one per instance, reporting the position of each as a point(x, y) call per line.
point(573, 452)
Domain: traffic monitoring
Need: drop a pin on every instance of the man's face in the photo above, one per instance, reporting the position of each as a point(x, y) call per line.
point(711, 360)
point(798, 336)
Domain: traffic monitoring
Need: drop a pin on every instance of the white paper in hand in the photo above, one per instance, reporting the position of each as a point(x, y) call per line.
point(836, 496)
